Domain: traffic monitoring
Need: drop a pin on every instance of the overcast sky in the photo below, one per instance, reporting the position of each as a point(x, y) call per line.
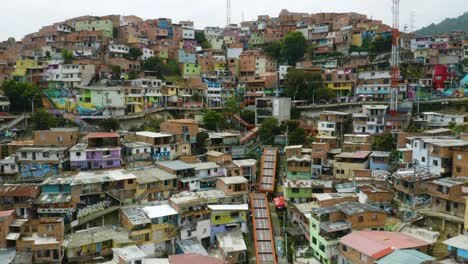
point(20, 17)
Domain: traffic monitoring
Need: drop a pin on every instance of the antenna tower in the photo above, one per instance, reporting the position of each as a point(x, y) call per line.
point(228, 12)
point(395, 61)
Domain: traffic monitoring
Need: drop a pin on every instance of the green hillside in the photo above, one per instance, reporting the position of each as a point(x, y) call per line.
point(446, 26)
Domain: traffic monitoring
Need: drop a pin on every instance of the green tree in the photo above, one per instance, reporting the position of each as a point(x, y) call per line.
point(21, 94)
point(132, 75)
point(200, 145)
point(324, 94)
point(201, 40)
point(273, 49)
point(67, 56)
point(465, 62)
point(412, 71)
point(381, 45)
point(116, 72)
point(152, 125)
point(110, 124)
point(383, 142)
point(170, 68)
point(231, 106)
point(133, 54)
point(293, 47)
point(269, 128)
point(196, 97)
point(300, 85)
point(214, 121)
point(298, 137)
point(295, 113)
point(161, 68)
point(289, 125)
point(311, 50)
point(42, 120)
point(248, 116)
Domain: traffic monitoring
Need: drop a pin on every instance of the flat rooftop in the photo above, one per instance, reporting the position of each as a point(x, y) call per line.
point(176, 165)
point(153, 134)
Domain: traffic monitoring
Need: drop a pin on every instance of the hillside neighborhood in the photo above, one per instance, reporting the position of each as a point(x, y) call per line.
point(297, 138)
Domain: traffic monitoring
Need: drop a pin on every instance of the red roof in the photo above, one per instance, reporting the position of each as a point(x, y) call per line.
point(193, 259)
point(102, 135)
point(378, 244)
point(6, 213)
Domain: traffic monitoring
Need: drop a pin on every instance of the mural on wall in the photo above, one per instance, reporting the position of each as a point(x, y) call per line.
point(64, 99)
point(38, 170)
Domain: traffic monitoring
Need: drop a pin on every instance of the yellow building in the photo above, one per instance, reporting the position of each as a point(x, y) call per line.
point(22, 67)
point(356, 39)
point(134, 103)
point(341, 88)
point(347, 162)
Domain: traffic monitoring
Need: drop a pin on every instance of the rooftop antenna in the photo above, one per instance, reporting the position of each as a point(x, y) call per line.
point(228, 12)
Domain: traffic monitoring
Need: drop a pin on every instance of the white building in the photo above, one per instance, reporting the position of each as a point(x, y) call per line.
point(110, 100)
point(162, 144)
point(8, 166)
point(378, 90)
point(188, 33)
point(372, 120)
point(72, 75)
point(430, 120)
point(326, 128)
point(118, 50)
point(426, 153)
point(209, 169)
point(213, 94)
point(373, 75)
point(279, 108)
point(147, 53)
point(41, 154)
point(63, 28)
point(420, 43)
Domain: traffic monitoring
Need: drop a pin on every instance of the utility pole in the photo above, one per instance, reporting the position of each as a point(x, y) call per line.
point(277, 77)
point(415, 163)
point(228, 13)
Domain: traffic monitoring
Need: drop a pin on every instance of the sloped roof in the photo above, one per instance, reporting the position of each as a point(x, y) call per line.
point(378, 244)
point(405, 256)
